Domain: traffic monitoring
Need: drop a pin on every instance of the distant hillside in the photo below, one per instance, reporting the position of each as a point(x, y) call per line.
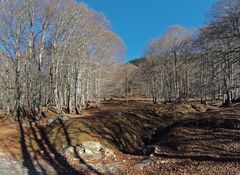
point(137, 61)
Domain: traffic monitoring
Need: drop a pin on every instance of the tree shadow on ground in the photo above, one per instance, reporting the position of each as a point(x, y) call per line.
point(43, 155)
point(127, 131)
point(69, 142)
point(201, 139)
point(200, 158)
point(27, 160)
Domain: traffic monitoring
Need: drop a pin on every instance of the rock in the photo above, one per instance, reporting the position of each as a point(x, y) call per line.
point(90, 149)
point(93, 146)
point(52, 155)
point(163, 161)
point(93, 150)
point(89, 152)
point(144, 163)
point(114, 168)
point(80, 150)
point(70, 152)
point(152, 155)
point(179, 148)
point(108, 152)
point(64, 146)
point(83, 152)
point(84, 166)
point(157, 150)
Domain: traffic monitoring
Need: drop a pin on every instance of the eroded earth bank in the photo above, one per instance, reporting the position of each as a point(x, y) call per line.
point(124, 137)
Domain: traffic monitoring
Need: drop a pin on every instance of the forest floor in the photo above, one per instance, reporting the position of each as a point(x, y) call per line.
point(186, 138)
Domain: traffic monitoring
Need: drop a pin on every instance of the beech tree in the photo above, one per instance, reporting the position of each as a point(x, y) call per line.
point(53, 52)
point(219, 43)
point(164, 68)
point(204, 64)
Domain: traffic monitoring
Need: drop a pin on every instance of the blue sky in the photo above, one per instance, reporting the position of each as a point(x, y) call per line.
point(137, 21)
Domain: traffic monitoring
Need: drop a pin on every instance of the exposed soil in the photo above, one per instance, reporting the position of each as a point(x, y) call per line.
point(187, 139)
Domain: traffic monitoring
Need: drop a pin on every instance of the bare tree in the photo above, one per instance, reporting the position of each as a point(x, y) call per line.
point(53, 52)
